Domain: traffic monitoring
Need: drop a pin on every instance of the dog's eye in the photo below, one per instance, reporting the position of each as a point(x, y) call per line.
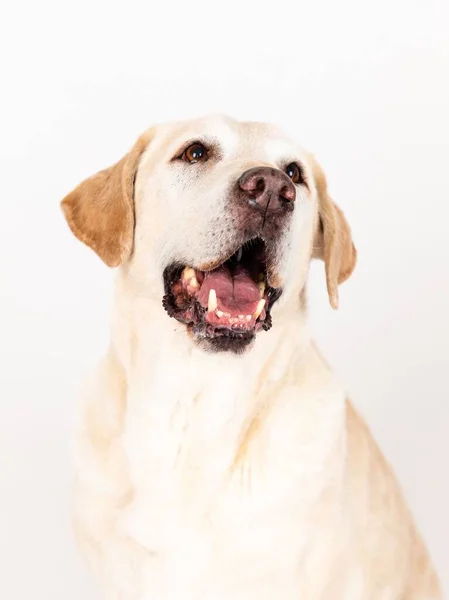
point(194, 153)
point(294, 172)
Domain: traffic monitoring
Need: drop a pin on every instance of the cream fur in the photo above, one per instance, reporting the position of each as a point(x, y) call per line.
point(219, 476)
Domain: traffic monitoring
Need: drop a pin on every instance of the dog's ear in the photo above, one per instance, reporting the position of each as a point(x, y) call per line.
point(100, 211)
point(333, 240)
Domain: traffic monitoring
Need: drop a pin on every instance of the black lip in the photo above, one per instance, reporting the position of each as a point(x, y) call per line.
point(173, 272)
point(216, 339)
point(225, 340)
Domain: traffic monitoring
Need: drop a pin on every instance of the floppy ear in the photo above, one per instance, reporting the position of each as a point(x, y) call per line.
point(100, 211)
point(333, 241)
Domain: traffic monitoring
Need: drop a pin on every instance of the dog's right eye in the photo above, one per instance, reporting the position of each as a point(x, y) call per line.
point(194, 153)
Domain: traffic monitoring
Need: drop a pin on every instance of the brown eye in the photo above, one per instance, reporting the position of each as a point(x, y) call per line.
point(194, 153)
point(294, 172)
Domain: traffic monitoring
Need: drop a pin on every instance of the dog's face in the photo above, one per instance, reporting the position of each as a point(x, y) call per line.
point(220, 219)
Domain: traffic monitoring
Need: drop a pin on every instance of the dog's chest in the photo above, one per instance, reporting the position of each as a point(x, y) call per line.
point(219, 503)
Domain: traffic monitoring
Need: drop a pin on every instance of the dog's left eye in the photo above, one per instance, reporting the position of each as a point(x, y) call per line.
point(294, 172)
point(194, 153)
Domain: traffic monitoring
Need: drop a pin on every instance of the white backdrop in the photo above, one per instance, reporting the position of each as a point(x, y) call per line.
point(364, 86)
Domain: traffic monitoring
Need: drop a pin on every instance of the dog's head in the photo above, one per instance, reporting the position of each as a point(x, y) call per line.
point(218, 218)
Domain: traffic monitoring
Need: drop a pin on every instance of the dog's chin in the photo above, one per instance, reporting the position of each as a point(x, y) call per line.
point(227, 305)
point(223, 340)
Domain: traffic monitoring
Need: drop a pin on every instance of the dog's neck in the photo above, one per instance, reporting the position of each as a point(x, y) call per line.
point(166, 371)
point(147, 340)
point(192, 418)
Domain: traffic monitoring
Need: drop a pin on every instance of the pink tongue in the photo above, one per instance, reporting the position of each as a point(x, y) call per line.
point(237, 293)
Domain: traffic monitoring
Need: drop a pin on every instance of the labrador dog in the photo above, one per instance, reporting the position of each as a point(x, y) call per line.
point(217, 455)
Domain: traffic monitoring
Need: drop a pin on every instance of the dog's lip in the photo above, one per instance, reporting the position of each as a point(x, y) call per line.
point(185, 301)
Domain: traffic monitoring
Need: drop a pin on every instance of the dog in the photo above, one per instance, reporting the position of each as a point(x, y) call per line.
point(217, 456)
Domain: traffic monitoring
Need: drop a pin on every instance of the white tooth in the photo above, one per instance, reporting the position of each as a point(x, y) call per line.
point(188, 273)
point(241, 317)
point(194, 282)
point(259, 308)
point(262, 288)
point(239, 254)
point(219, 313)
point(249, 317)
point(212, 303)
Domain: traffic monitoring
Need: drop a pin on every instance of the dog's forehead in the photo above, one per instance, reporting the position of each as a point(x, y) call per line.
point(267, 138)
point(233, 137)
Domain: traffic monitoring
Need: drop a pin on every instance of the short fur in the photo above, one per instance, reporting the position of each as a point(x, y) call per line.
point(218, 476)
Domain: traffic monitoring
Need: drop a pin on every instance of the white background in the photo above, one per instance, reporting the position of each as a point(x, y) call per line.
point(363, 85)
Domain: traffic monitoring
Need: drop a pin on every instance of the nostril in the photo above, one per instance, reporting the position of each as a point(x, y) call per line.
point(253, 186)
point(260, 187)
point(287, 194)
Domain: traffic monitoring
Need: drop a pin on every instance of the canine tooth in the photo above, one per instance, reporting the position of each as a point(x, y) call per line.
point(188, 273)
point(194, 282)
point(239, 254)
point(259, 308)
point(262, 288)
point(219, 313)
point(261, 277)
point(212, 303)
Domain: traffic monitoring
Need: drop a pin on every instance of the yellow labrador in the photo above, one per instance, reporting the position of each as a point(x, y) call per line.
point(218, 457)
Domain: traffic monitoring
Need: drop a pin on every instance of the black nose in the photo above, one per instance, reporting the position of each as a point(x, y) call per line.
point(268, 190)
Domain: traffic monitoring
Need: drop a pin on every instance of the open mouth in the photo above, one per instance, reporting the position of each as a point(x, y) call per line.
point(227, 305)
